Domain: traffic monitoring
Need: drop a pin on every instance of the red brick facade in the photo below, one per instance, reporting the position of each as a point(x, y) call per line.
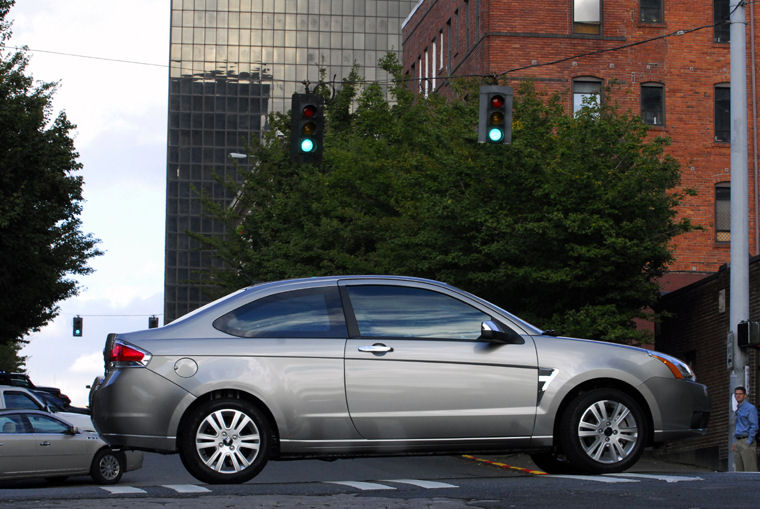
point(521, 39)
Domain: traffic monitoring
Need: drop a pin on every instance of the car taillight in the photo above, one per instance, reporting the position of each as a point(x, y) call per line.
point(128, 355)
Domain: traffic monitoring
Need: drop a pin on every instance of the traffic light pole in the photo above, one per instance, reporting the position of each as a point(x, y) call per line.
point(739, 278)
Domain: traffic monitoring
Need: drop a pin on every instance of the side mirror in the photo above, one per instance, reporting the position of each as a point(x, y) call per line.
point(73, 431)
point(493, 332)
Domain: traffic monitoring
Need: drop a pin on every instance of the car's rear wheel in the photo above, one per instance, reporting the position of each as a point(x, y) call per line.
point(603, 431)
point(107, 466)
point(225, 441)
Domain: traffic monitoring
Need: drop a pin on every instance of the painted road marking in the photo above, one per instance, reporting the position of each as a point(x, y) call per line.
point(430, 485)
point(187, 488)
point(666, 478)
point(595, 478)
point(364, 486)
point(123, 490)
point(504, 465)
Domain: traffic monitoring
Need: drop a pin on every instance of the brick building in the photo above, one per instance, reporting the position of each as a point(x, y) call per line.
point(670, 62)
point(696, 332)
point(678, 80)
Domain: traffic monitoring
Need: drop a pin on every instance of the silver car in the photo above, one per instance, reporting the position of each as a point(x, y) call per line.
point(371, 365)
point(35, 443)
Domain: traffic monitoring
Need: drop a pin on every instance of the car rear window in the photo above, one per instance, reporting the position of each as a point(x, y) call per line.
point(308, 313)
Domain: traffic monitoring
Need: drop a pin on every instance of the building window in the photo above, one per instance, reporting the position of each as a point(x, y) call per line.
point(723, 212)
point(587, 16)
point(721, 14)
point(722, 113)
point(651, 11)
point(653, 104)
point(586, 93)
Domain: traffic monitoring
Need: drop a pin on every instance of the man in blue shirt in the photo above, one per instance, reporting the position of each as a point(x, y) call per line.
point(745, 445)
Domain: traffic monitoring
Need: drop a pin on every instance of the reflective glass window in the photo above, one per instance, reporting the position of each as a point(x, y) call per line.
point(651, 11)
point(401, 311)
point(721, 15)
point(45, 424)
point(587, 16)
point(586, 93)
point(723, 212)
point(722, 113)
point(309, 313)
point(20, 400)
point(653, 104)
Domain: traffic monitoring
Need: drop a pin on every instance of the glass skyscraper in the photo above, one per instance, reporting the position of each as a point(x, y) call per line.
point(231, 63)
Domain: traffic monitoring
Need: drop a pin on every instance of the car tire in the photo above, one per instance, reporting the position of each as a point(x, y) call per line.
point(603, 431)
point(225, 441)
point(107, 466)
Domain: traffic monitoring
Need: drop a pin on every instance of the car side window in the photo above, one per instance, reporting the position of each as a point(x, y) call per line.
point(45, 424)
point(12, 423)
point(401, 311)
point(19, 401)
point(307, 313)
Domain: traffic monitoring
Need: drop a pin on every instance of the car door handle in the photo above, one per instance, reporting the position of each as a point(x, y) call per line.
point(45, 443)
point(376, 348)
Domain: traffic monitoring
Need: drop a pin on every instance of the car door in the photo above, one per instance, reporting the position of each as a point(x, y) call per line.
point(416, 368)
point(57, 450)
point(18, 450)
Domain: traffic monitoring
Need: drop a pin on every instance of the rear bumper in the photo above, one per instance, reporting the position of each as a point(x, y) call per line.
point(134, 408)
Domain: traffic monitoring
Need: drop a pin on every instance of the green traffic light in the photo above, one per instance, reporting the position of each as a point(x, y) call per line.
point(495, 135)
point(307, 145)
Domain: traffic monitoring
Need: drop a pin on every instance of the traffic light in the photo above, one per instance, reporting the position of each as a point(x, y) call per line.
point(306, 128)
point(77, 327)
point(495, 114)
point(748, 333)
point(152, 322)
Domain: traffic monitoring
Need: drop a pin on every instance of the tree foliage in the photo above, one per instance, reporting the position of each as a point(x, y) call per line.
point(41, 245)
point(568, 227)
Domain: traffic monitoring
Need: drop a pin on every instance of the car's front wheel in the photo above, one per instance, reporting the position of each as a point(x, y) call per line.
point(225, 441)
point(107, 466)
point(603, 431)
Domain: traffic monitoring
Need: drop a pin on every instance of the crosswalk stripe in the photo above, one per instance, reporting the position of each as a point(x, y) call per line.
point(596, 478)
point(124, 490)
point(430, 485)
point(666, 478)
point(186, 488)
point(364, 486)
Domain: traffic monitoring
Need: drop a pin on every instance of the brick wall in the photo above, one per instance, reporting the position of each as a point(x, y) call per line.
point(507, 35)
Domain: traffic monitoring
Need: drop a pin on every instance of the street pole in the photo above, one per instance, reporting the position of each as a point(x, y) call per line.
point(739, 279)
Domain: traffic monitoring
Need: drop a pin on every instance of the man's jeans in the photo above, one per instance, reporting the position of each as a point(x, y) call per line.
point(745, 455)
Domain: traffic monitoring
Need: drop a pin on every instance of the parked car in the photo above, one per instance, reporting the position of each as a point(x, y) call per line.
point(34, 443)
point(52, 395)
point(20, 398)
point(371, 365)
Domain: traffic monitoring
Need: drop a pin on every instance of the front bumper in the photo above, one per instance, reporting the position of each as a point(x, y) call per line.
point(683, 408)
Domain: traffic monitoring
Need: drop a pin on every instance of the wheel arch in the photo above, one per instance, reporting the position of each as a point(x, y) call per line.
point(233, 394)
point(604, 383)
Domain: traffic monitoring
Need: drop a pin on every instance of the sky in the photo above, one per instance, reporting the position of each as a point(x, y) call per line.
point(120, 112)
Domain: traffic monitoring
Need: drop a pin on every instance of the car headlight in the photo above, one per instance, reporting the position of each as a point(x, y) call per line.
point(679, 368)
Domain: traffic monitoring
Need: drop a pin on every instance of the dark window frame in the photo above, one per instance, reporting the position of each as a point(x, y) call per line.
point(723, 212)
point(721, 14)
point(722, 115)
point(645, 113)
point(653, 12)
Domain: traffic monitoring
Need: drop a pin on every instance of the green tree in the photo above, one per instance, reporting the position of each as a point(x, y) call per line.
point(568, 227)
point(41, 245)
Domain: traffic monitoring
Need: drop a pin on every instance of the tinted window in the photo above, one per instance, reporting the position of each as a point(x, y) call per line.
point(650, 11)
point(722, 113)
point(310, 313)
point(45, 424)
point(653, 104)
point(12, 424)
point(19, 400)
point(400, 311)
